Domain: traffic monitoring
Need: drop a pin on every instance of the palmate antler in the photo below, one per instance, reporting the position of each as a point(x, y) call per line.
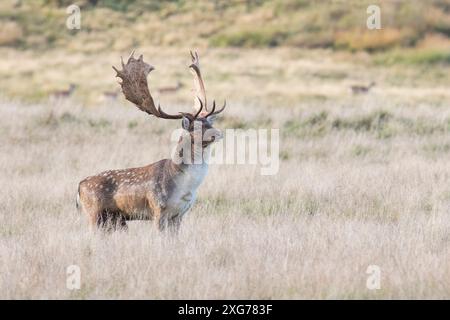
point(199, 87)
point(135, 88)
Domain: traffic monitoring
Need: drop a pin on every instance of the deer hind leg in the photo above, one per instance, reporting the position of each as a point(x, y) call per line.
point(111, 221)
point(92, 211)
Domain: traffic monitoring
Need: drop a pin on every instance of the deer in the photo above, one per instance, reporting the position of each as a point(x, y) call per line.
point(357, 89)
point(163, 191)
point(110, 95)
point(170, 89)
point(62, 94)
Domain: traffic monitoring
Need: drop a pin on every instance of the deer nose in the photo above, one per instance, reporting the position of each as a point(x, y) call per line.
point(212, 135)
point(218, 135)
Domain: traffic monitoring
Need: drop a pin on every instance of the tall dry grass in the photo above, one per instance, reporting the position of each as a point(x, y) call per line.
point(363, 181)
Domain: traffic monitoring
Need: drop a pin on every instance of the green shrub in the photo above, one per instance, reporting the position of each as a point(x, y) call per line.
point(372, 122)
point(414, 57)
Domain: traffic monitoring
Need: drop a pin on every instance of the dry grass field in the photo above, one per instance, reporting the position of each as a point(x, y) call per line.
point(364, 180)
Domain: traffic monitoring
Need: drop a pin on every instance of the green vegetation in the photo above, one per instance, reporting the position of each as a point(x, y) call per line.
point(325, 44)
point(251, 38)
point(414, 57)
point(379, 123)
point(250, 23)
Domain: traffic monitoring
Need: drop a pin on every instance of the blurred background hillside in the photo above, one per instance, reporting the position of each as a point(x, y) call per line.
point(279, 45)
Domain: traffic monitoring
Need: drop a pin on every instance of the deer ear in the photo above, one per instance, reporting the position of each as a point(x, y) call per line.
point(185, 122)
point(211, 118)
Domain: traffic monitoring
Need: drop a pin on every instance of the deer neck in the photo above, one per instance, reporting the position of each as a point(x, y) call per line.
point(190, 174)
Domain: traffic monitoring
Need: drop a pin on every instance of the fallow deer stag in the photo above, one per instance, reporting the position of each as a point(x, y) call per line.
point(110, 95)
point(165, 190)
point(170, 89)
point(63, 94)
point(359, 89)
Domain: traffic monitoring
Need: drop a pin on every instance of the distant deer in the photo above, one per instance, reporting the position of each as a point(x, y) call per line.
point(110, 95)
point(170, 89)
point(165, 190)
point(63, 94)
point(357, 89)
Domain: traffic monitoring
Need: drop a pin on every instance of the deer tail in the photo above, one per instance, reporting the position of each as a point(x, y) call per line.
point(77, 202)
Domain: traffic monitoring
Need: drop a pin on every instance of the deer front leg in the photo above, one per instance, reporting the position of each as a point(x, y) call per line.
point(174, 224)
point(162, 225)
point(169, 222)
point(158, 216)
point(163, 222)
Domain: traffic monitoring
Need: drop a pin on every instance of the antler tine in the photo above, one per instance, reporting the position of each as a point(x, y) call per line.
point(164, 115)
point(199, 109)
point(191, 116)
point(213, 108)
point(131, 55)
point(118, 73)
point(213, 112)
